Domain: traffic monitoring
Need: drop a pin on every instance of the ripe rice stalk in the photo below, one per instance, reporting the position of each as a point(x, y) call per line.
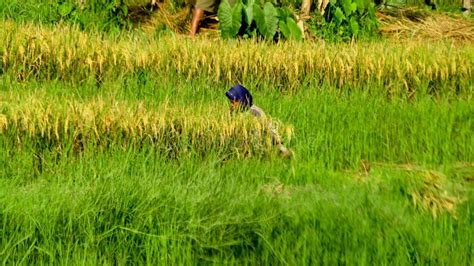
point(109, 122)
point(433, 196)
point(429, 190)
point(3, 123)
point(72, 54)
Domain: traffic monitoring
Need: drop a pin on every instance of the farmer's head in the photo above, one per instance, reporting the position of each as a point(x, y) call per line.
point(240, 97)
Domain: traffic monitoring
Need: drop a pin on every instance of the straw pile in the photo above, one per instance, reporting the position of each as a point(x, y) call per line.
point(411, 23)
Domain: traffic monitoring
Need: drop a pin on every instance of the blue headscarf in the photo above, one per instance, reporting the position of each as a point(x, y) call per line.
point(241, 94)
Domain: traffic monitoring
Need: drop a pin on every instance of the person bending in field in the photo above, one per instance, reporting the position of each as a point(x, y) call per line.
point(202, 8)
point(241, 100)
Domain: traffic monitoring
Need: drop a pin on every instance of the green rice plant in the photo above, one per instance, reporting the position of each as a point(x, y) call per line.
point(333, 128)
point(118, 150)
point(369, 172)
point(135, 206)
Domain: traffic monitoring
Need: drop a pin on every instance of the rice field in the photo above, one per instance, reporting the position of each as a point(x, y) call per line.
point(120, 149)
point(63, 52)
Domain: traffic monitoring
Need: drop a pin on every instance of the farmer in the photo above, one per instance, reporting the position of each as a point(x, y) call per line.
point(201, 8)
point(241, 100)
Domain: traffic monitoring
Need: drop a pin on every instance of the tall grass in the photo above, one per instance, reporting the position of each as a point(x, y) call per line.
point(92, 15)
point(61, 124)
point(385, 130)
point(381, 173)
point(31, 51)
point(28, 10)
point(130, 206)
point(374, 180)
point(364, 126)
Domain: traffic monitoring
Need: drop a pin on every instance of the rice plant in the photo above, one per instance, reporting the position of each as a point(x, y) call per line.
point(122, 150)
point(62, 124)
point(32, 51)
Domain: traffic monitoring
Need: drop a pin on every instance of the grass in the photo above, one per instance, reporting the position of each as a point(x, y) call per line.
point(369, 126)
point(382, 170)
point(135, 207)
point(95, 15)
point(129, 204)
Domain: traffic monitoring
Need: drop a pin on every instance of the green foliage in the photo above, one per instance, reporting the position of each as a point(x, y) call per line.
point(112, 12)
point(266, 19)
point(230, 19)
point(106, 15)
point(137, 206)
point(252, 19)
point(363, 154)
point(290, 30)
point(115, 11)
point(346, 19)
point(65, 9)
point(249, 11)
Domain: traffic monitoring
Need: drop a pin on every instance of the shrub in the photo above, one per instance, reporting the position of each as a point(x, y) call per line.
point(346, 19)
point(249, 19)
point(113, 13)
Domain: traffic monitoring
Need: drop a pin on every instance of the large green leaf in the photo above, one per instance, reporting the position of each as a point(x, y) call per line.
point(230, 18)
point(285, 30)
point(347, 6)
point(284, 13)
point(360, 6)
point(354, 7)
point(290, 30)
point(65, 9)
point(339, 15)
point(354, 26)
point(267, 20)
point(296, 33)
point(248, 10)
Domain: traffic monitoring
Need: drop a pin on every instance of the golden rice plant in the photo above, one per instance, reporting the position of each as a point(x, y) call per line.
point(434, 195)
point(105, 122)
point(428, 190)
point(29, 50)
